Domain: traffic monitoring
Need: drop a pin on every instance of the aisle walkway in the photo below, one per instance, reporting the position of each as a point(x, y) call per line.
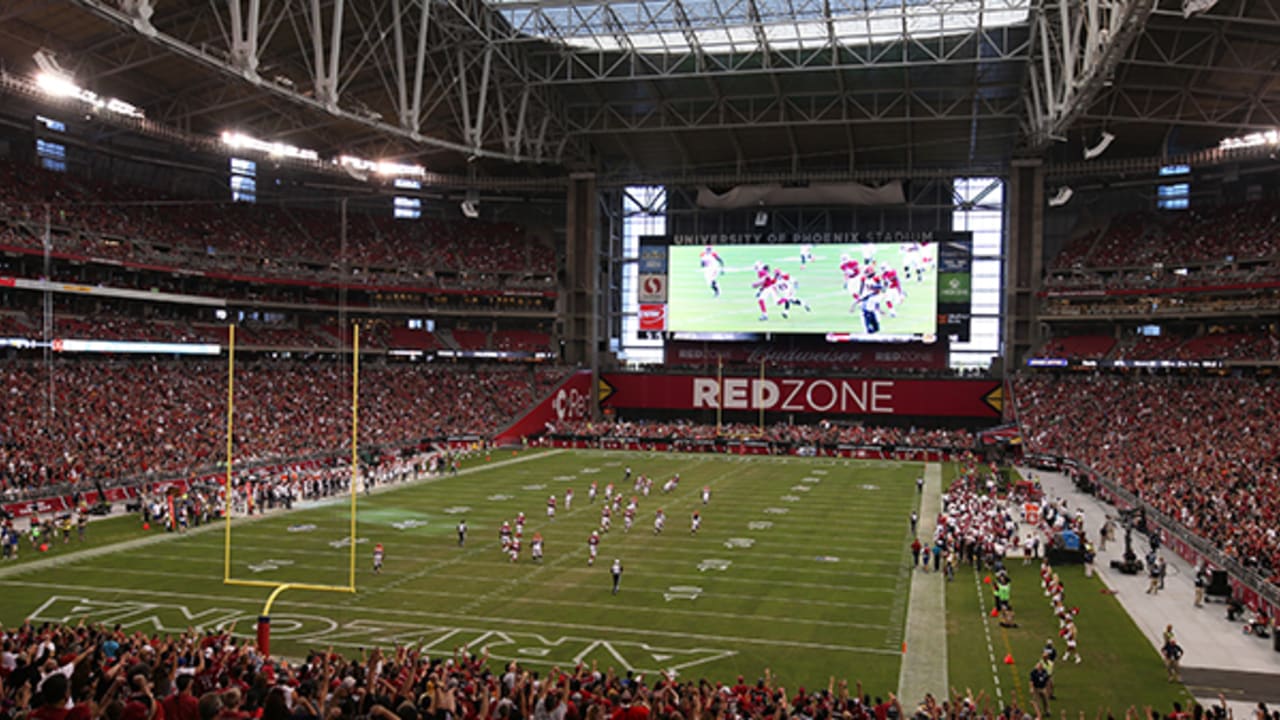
point(1219, 656)
point(924, 664)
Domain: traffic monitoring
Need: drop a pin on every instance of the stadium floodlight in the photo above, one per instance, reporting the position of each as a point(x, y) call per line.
point(240, 141)
point(382, 167)
point(1103, 143)
point(1253, 139)
point(1062, 197)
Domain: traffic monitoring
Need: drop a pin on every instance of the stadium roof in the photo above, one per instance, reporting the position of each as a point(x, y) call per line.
point(668, 88)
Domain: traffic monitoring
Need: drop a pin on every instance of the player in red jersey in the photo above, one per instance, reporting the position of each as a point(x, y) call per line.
point(849, 269)
point(593, 547)
point(764, 289)
point(893, 293)
point(551, 507)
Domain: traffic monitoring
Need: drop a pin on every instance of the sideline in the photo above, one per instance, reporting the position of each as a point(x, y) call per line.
point(924, 647)
point(162, 536)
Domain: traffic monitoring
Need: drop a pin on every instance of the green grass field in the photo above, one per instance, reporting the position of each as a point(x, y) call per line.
point(693, 308)
point(798, 567)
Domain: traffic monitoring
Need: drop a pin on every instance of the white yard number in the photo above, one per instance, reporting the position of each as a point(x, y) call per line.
point(714, 564)
point(409, 524)
point(682, 592)
point(457, 510)
point(535, 486)
point(759, 525)
point(732, 543)
point(801, 488)
point(790, 498)
point(811, 480)
point(269, 564)
point(776, 511)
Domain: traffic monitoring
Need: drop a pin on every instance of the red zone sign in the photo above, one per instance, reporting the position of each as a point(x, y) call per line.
point(820, 396)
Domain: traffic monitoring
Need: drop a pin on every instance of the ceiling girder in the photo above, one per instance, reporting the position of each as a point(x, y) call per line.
point(1077, 45)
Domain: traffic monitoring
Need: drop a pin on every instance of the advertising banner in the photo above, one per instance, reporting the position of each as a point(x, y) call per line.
point(570, 402)
point(820, 396)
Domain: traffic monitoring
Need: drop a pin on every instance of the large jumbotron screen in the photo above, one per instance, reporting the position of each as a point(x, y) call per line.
point(872, 291)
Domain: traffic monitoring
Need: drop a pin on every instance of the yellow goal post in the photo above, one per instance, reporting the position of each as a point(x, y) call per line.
point(264, 619)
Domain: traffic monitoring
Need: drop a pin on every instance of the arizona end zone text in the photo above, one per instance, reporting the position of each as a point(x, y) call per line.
point(814, 238)
point(844, 396)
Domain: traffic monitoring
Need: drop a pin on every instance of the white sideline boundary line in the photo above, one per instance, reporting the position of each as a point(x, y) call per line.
point(88, 553)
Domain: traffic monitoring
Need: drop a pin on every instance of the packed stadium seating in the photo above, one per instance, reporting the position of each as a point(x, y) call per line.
point(1236, 232)
point(1204, 451)
point(113, 420)
point(116, 222)
point(1256, 345)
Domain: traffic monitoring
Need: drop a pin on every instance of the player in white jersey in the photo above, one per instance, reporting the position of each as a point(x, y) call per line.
point(659, 522)
point(806, 255)
point(695, 522)
point(628, 518)
point(568, 499)
point(551, 507)
point(712, 267)
point(535, 548)
point(706, 494)
point(593, 547)
point(591, 492)
point(608, 492)
point(785, 289)
point(867, 299)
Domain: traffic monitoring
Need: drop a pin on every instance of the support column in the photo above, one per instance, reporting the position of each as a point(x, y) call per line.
point(1024, 259)
point(580, 288)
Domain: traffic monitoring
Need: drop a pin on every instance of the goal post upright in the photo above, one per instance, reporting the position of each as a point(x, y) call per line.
point(277, 588)
point(355, 439)
point(226, 486)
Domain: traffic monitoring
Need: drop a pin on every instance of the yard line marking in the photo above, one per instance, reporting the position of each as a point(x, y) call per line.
point(606, 629)
point(986, 628)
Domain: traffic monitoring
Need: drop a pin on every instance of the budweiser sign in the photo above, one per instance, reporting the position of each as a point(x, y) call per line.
point(807, 353)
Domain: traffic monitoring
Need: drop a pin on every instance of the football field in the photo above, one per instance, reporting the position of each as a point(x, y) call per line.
point(800, 566)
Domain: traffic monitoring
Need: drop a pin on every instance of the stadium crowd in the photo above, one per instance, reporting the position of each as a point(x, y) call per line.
point(1227, 233)
point(824, 433)
point(100, 672)
point(1203, 451)
point(111, 421)
point(134, 224)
